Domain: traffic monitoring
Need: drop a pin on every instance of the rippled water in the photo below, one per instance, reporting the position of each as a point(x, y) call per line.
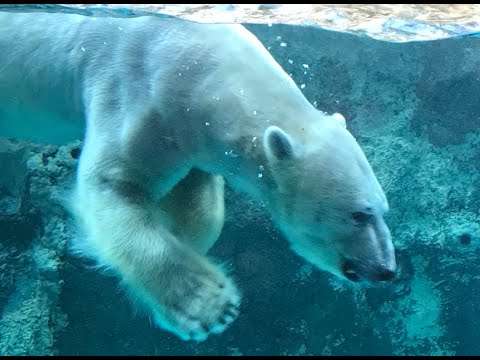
point(389, 22)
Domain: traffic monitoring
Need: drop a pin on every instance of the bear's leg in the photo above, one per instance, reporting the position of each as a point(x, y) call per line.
point(196, 209)
point(186, 293)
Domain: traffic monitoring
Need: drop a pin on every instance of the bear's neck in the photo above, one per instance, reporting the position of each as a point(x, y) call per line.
point(238, 150)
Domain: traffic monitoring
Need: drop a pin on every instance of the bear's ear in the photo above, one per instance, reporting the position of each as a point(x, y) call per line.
point(340, 118)
point(277, 143)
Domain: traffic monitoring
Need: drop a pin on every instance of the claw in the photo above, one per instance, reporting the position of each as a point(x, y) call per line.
point(228, 319)
point(199, 337)
point(231, 310)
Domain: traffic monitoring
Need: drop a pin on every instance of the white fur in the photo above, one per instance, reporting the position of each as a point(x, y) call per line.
point(162, 97)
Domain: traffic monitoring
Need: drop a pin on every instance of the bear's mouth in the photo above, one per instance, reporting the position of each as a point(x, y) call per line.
point(356, 271)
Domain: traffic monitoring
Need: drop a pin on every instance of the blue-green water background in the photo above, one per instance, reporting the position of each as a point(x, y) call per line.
point(415, 109)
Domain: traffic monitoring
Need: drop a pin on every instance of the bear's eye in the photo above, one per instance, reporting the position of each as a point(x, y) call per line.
point(361, 217)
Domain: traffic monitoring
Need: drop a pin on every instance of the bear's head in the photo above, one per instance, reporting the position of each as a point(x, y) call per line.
point(327, 200)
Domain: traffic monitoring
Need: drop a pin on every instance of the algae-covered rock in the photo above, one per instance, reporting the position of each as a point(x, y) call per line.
point(32, 246)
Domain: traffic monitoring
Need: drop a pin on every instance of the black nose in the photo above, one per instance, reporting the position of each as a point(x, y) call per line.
point(385, 274)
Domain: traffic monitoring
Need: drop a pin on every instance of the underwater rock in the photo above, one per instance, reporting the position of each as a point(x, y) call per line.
point(32, 246)
point(13, 176)
point(448, 91)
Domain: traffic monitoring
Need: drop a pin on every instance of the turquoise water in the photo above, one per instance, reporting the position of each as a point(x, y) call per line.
point(413, 106)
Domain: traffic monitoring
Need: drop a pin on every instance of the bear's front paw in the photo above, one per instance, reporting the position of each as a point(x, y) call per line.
point(203, 304)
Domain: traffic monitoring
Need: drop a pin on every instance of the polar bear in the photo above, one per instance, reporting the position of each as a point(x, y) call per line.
point(173, 109)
